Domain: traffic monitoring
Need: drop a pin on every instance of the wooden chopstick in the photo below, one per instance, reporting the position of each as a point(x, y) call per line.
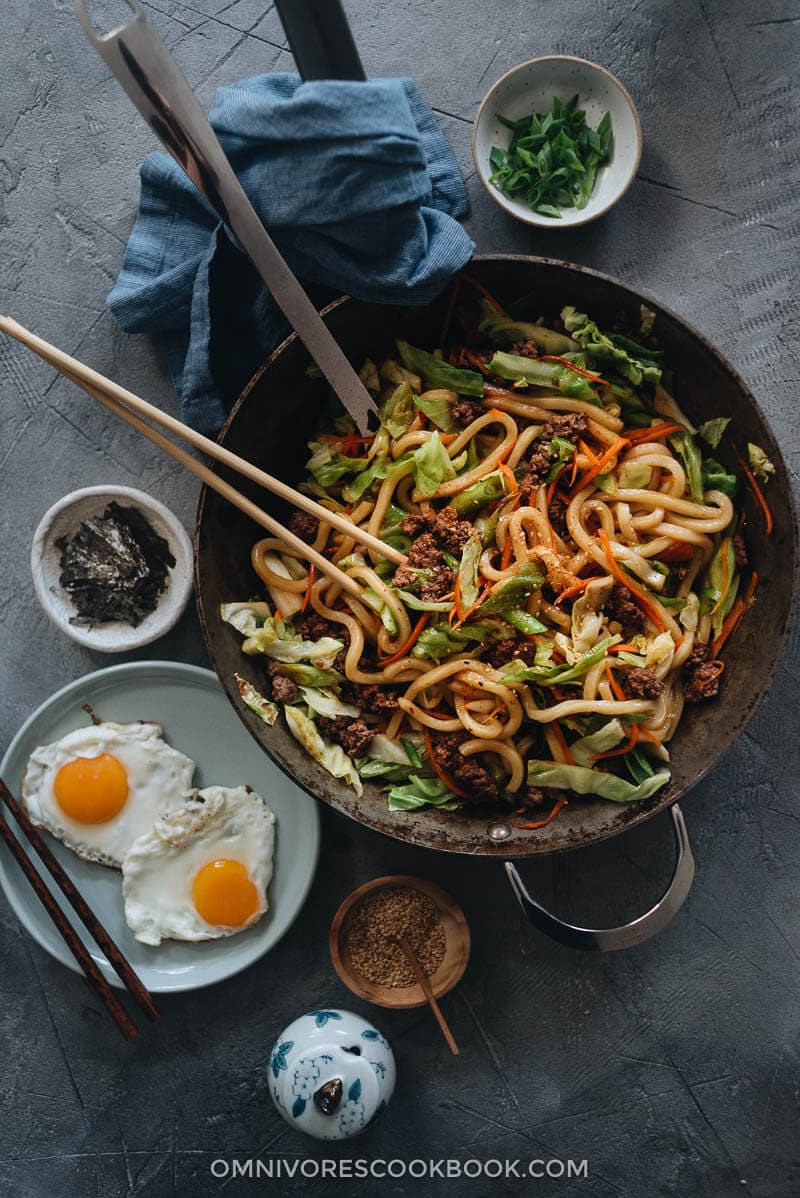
point(68, 934)
point(116, 957)
point(222, 487)
point(424, 982)
point(101, 386)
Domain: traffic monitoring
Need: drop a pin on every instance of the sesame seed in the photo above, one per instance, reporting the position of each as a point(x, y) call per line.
point(384, 915)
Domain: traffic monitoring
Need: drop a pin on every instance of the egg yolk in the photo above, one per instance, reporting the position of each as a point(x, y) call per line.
point(92, 790)
point(224, 894)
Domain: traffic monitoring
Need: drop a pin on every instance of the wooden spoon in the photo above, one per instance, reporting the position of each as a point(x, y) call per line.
point(402, 940)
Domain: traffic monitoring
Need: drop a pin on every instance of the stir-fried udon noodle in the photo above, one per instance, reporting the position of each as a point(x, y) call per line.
point(575, 564)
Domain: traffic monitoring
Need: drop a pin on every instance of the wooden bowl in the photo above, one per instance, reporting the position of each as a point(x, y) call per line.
point(448, 974)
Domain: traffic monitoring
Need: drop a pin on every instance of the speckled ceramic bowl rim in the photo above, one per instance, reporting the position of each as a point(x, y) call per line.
point(539, 221)
point(172, 603)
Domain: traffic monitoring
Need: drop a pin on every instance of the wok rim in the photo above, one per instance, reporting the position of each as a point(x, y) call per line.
point(652, 807)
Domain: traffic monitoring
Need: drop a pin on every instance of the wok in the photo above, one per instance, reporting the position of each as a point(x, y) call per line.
point(277, 413)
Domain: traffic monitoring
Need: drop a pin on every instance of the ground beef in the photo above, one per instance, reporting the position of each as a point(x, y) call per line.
point(740, 551)
point(314, 627)
point(557, 511)
point(503, 652)
point(466, 772)
point(702, 683)
point(352, 735)
point(639, 683)
point(424, 553)
point(303, 526)
point(621, 607)
point(439, 582)
point(680, 570)
point(464, 411)
point(701, 678)
point(450, 531)
point(699, 654)
point(570, 426)
point(525, 349)
point(532, 796)
point(416, 523)
point(279, 686)
point(284, 689)
point(537, 469)
point(380, 700)
point(404, 577)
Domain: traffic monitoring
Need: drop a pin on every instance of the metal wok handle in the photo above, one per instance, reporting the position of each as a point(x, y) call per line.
point(149, 74)
point(628, 934)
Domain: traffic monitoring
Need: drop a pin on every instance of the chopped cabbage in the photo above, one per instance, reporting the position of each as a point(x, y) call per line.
point(331, 757)
point(586, 781)
point(263, 708)
point(634, 362)
point(760, 464)
point(431, 466)
point(602, 741)
point(325, 701)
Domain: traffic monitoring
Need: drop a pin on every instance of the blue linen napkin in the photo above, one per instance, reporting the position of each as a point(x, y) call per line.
point(356, 184)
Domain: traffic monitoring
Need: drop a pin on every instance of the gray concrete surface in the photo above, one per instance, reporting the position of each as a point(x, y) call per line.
point(672, 1069)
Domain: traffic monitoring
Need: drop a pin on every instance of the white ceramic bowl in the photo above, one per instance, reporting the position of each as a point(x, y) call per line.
point(531, 87)
point(64, 519)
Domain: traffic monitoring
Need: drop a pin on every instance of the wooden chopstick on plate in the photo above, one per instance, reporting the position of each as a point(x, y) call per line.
point(68, 933)
point(131, 408)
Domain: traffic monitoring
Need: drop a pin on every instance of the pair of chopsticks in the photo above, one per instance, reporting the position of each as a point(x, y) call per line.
point(68, 933)
point(131, 408)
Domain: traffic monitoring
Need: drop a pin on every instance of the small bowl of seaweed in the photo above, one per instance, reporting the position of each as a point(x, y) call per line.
point(112, 567)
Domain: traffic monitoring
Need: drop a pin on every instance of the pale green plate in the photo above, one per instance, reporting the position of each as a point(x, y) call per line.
point(197, 719)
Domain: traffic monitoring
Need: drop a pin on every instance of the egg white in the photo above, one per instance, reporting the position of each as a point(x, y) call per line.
point(159, 781)
point(159, 869)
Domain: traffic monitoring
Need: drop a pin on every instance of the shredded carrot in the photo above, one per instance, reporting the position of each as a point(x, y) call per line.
point(603, 460)
point(474, 360)
point(758, 494)
point(648, 735)
point(623, 649)
point(553, 484)
point(575, 589)
point(679, 642)
point(508, 549)
point(457, 608)
point(657, 433)
point(487, 586)
point(409, 644)
point(723, 590)
point(678, 551)
point(437, 769)
point(630, 743)
point(595, 378)
point(734, 616)
point(543, 822)
point(473, 282)
point(508, 473)
point(312, 572)
point(650, 610)
point(446, 438)
point(616, 689)
point(558, 733)
point(588, 451)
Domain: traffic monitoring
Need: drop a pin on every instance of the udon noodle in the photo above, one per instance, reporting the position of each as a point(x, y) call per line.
point(575, 566)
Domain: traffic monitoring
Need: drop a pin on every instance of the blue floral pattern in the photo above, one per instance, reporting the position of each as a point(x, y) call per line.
point(279, 1056)
point(321, 1017)
point(370, 1034)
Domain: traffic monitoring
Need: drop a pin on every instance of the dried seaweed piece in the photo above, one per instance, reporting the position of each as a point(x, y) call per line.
point(115, 567)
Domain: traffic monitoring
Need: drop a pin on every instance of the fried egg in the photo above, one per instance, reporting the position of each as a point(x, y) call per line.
point(101, 787)
point(201, 872)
